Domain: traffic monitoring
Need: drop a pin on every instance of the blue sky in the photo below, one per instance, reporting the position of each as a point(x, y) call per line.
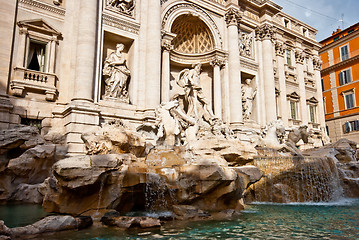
point(324, 15)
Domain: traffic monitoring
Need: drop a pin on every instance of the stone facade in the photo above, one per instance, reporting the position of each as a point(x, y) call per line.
point(56, 63)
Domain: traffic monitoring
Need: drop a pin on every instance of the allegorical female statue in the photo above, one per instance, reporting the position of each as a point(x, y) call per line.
point(115, 67)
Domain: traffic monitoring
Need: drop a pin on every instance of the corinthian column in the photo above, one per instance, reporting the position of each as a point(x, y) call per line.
point(299, 58)
point(217, 90)
point(86, 47)
point(153, 54)
point(265, 35)
point(282, 86)
point(235, 89)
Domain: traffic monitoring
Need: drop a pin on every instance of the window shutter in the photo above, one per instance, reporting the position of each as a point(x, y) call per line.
point(341, 74)
point(349, 76)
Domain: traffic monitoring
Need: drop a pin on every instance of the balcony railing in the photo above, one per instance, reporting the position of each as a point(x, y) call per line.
point(26, 79)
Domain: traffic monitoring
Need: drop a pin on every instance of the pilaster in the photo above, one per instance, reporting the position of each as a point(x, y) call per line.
point(167, 47)
point(299, 59)
point(280, 50)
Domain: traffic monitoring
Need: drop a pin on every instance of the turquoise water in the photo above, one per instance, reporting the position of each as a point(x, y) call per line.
point(339, 220)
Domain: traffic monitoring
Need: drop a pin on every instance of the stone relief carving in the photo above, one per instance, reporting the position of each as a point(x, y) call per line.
point(245, 44)
point(279, 48)
point(232, 17)
point(299, 56)
point(248, 95)
point(123, 6)
point(265, 31)
point(317, 63)
point(118, 74)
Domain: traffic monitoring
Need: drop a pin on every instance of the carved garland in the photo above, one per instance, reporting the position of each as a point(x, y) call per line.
point(198, 10)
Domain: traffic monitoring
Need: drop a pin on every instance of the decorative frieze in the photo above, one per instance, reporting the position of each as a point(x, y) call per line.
point(232, 17)
point(43, 6)
point(121, 24)
point(126, 7)
point(265, 32)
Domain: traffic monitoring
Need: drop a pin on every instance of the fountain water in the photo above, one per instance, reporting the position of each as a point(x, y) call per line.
point(291, 179)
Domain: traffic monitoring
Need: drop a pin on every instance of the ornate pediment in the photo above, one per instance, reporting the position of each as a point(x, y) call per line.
point(293, 96)
point(38, 25)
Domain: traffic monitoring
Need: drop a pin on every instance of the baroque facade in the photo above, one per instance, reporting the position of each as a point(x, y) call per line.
point(69, 66)
point(340, 75)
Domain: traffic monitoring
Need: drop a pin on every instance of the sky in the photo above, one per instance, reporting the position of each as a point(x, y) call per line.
point(323, 15)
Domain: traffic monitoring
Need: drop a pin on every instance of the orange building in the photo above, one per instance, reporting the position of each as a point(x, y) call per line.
point(340, 83)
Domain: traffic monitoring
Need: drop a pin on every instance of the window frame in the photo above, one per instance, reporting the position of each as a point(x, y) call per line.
point(343, 77)
point(288, 57)
point(342, 56)
point(348, 93)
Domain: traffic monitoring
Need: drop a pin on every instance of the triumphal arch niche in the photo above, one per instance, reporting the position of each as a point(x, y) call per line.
point(192, 37)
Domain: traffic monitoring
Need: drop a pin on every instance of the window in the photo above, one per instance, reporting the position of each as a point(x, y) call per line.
point(286, 23)
point(351, 126)
point(322, 81)
point(37, 56)
point(324, 105)
point(349, 100)
point(305, 32)
point(350, 31)
point(293, 110)
point(312, 113)
point(345, 77)
point(344, 52)
point(336, 38)
point(289, 57)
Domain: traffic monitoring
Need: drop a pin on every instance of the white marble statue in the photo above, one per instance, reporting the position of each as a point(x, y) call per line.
point(172, 121)
point(273, 135)
point(192, 95)
point(248, 95)
point(115, 67)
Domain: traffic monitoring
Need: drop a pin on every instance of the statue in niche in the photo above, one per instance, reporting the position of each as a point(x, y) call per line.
point(248, 95)
point(124, 6)
point(115, 67)
point(191, 95)
point(245, 44)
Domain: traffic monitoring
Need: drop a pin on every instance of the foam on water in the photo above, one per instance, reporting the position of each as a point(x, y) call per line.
point(341, 202)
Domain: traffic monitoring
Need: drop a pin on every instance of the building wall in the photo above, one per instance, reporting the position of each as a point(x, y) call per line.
point(337, 113)
point(248, 42)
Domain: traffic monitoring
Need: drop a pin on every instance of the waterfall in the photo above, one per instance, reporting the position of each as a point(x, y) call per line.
point(290, 179)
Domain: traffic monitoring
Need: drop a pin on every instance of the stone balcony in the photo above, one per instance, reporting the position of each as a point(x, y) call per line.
point(30, 80)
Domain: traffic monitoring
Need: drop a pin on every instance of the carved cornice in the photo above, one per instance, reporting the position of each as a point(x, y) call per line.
point(43, 6)
point(265, 32)
point(299, 56)
point(205, 58)
point(279, 49)
point(195, 8)
point(121, 24)
point(248, 64)
point(232, 17)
